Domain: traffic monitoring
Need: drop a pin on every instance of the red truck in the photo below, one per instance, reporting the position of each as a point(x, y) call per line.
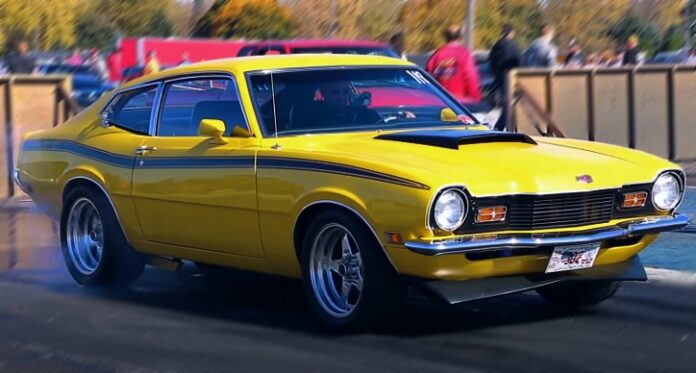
point(170, 51)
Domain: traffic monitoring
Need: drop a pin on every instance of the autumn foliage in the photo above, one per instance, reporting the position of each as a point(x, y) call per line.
point(596, 24)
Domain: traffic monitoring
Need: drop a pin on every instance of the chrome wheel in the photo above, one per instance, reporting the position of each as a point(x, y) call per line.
point(336, 270)
point(85, 236)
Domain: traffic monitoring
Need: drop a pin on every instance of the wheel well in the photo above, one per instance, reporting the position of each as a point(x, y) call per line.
point(309, 213)
point(74, 183)
point(95, 187)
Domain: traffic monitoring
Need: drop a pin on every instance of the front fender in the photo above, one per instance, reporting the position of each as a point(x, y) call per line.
point(337, 196)
point(384, 207)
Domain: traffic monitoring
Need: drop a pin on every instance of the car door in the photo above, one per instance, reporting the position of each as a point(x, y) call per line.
point(190, 191)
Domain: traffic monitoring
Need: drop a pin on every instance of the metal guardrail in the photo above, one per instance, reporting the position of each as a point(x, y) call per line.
point(647, 107)
point(24, 104)
point(543, 121)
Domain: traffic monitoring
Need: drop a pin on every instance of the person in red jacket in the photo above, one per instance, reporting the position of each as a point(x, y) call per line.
point(454, 67)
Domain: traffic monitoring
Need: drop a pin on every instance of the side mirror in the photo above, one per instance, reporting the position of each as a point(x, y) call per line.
point(106, 119)
point(448, 115)
point(214, 128)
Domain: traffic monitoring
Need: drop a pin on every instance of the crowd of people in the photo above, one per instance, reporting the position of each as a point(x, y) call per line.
point(19, 61)
point(454, 67)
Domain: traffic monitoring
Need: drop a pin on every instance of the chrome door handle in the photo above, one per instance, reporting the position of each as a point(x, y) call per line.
point(145, 149)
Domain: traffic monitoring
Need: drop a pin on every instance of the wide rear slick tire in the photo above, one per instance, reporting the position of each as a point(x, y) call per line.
point(94, 247)
point(347, 278)
point(578, 294)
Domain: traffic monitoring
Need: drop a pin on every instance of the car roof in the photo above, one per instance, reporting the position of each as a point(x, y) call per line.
point(273, 62)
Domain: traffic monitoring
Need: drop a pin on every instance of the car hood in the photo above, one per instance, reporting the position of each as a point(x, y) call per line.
point(488, 163)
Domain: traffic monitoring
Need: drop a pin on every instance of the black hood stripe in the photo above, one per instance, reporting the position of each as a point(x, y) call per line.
point(452, 138)
point(334, 168)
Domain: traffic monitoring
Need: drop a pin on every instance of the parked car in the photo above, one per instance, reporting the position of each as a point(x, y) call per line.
point(671, 57)
point(87, 84)
point(357, 174)
point(316, 46)
point(135, 72)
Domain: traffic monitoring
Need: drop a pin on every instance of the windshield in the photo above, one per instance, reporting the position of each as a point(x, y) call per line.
point(335, 100)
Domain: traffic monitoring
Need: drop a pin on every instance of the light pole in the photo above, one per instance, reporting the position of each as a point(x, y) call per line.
point(334, 18)
point(196, 10)
point(470, 19)
point(687, 24)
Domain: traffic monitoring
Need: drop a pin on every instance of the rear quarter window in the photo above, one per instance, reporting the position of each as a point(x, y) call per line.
point(131, 110)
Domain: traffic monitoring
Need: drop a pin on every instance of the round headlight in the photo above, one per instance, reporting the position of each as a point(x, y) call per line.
point(450, 210)
point(666, 192)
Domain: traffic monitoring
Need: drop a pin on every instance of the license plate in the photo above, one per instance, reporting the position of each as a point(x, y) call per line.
point(568, 258)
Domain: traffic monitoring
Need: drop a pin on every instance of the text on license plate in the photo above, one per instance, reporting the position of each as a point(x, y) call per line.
point(567, 258)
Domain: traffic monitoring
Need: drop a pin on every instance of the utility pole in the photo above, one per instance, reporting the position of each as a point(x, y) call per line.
point(334, 18)
point(470, 19)
point(196, 10)
point(687, 24)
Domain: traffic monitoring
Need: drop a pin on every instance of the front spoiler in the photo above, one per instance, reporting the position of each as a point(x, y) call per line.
point(474, 243)
point(467, 290)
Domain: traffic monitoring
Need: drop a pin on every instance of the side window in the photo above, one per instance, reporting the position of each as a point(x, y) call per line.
point(187, 102)
point(131, 110)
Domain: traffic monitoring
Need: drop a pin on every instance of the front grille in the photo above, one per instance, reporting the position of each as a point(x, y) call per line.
point(562, 210)
point(530, 212)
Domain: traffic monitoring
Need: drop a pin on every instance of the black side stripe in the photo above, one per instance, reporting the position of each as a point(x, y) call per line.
point(82, 150)
point(195, 162)
point(118, 160)
point(334, 168)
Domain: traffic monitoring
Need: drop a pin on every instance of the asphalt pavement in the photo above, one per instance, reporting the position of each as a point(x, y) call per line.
point(222, 320)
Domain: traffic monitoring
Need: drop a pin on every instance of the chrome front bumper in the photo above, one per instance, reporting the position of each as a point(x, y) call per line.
point(18, 181)
point(486, 242)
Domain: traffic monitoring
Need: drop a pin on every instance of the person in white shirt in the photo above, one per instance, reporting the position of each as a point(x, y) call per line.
point(691, 60)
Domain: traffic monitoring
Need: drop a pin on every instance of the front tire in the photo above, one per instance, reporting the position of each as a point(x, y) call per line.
point(345, 274)
point(578, 294)
point(94, 248)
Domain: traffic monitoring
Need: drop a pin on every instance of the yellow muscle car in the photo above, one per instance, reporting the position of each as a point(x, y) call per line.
point(358, 174)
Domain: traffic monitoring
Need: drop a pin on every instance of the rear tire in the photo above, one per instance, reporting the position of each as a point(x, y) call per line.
point(346, 276)
point(578, 294)
point(94, 248)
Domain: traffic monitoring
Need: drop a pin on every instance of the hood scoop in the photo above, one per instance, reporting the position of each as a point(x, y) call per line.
point(453, 138)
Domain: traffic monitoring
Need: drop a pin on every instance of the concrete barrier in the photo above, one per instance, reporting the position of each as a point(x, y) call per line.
point(28, 103)
point(652, 108)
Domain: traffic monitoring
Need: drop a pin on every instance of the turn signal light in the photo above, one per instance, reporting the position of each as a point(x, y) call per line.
point(634, 200)
point(491, 214)
point(393, 238)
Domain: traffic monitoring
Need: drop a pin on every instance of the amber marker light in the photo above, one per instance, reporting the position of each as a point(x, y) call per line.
point(634, 200)
point(491, 214)
point(394, 238)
